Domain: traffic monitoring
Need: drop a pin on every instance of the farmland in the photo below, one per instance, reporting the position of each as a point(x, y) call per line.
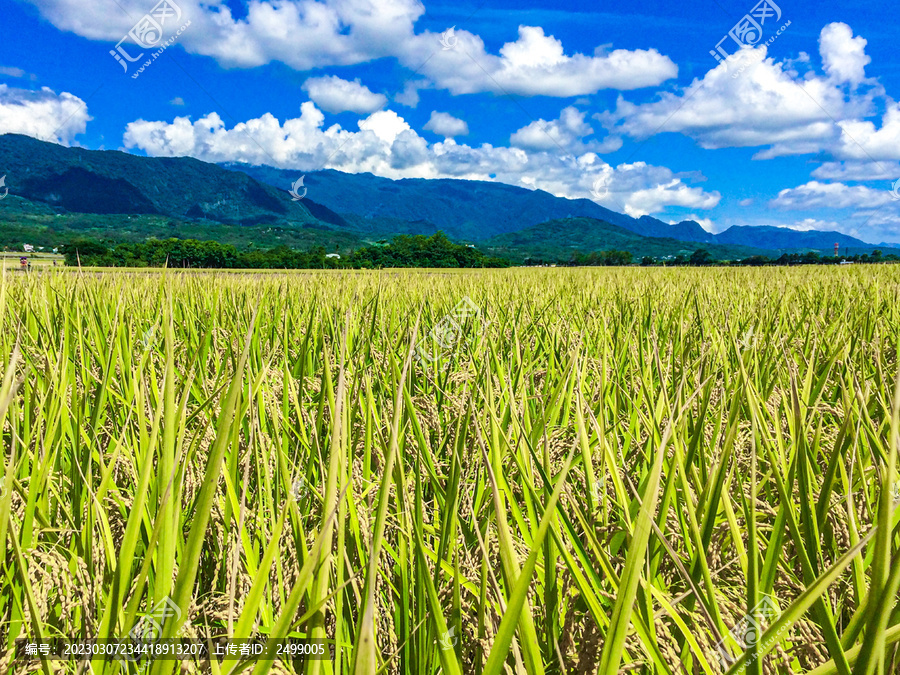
point(596, 471)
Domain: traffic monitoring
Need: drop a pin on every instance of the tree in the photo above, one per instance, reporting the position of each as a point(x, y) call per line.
point(810, 258)
point(701, 257)
point(85, 251)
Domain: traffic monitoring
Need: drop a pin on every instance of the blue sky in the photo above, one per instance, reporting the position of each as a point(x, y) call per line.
point(621, 104)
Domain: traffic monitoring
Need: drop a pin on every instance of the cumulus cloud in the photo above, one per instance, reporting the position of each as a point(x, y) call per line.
point(305, 35)
point(385, 145)
point(446, 125)
point(42, 114)
point(815, 195)
point(534, 64)
point(669, 191)
point(333, 94)
point(843, 56)
point(857, 171)
point(566, 133)
point(873, 214)
point(751, 100)
point(861, 140)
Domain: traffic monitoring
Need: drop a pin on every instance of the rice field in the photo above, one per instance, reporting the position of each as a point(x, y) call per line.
point(616, 470)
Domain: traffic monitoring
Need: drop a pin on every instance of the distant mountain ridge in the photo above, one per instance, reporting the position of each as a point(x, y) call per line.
point(479, 210)
point(464, 209)
point(782, 237)
point(559, 239)
point(351, 207)
point(107, 181)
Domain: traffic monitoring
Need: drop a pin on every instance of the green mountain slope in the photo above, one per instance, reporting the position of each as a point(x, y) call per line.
point(26, 222)
point(56, 193)
point(559, 239)
point(106, 182)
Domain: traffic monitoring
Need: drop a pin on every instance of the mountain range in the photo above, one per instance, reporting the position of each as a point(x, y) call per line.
point(60, 192)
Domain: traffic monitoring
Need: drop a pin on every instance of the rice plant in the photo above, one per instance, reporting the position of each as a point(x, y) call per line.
point(592, 471)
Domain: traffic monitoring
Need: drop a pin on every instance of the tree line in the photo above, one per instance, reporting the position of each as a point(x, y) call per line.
point(402, 251)
point(813, 258)
point(594, 259)
point(703, 258)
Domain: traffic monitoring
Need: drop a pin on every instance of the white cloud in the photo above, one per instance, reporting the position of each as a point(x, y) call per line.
point(843, 56)
point(333, 94)
point(177, 101)
point(386, 125)
point(706, 223)
point(446, 125)
point(385, 145)
point(873, 214)
point(305, 34)
point(816, 195)
point(880, 225)
point(861, 140)
point(750, 100)
point(566, 134)
point(857, 171)
point(808, 224)
point(42, 114)
point(410, 94)
point(535, 64)
point(673, 192)
point(18, 73)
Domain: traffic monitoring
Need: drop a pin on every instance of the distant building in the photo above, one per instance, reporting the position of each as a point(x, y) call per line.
point(28, 248)
point(332, 255)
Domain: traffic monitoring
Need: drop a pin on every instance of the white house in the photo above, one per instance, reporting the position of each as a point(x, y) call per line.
point(28, 248)
point(332, 255)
